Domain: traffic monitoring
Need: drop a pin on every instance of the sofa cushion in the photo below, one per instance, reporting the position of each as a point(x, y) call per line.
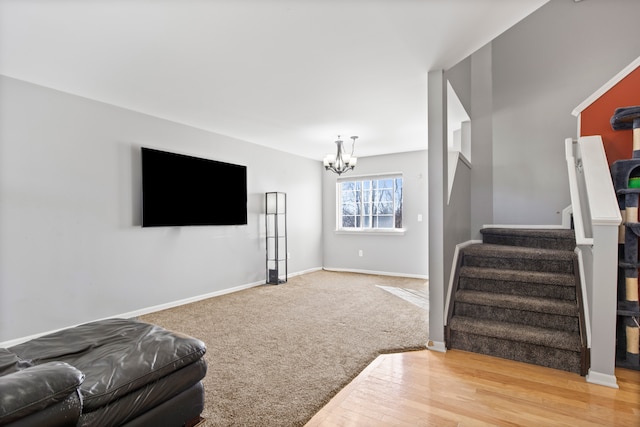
point(34, 389)
point(117, 356)
point(9, 362)
point(62, 414)
point(187, 405)
point(144, 399)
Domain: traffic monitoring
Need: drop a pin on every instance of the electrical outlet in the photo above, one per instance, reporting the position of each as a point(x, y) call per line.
point(360, 253)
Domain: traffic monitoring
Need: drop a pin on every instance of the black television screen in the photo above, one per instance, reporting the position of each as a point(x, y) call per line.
point(184, 190)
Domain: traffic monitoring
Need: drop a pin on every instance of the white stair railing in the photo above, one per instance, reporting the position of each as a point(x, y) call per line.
point(596, 218)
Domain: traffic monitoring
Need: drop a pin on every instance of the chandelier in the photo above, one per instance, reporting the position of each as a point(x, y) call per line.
point(341, 162)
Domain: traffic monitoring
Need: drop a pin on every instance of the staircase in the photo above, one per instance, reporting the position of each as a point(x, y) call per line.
point(516, 296)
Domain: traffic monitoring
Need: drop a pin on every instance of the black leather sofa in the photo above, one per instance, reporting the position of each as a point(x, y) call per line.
point(115, 372)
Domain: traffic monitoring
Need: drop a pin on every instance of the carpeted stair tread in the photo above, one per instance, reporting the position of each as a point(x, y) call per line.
point(518, 282)
point(515, 332)
point(523, 303)
point(563, 239)
point(550, 233)
point(518, 258)
point(542, 277)
point(505, 251)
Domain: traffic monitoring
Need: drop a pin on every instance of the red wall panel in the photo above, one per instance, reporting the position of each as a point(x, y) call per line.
point(595, 119)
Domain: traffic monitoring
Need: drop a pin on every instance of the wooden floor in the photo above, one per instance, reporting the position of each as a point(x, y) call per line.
point(426, 388)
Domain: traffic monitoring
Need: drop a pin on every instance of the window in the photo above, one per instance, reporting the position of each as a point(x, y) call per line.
point(370, 203)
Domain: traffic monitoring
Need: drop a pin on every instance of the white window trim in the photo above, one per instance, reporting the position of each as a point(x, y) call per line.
point(364, 231)
point(376, 231)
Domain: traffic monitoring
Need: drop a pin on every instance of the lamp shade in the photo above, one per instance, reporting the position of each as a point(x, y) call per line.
point(275, 203)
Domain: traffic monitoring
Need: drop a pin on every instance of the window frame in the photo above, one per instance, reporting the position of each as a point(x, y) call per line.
point(368, 230)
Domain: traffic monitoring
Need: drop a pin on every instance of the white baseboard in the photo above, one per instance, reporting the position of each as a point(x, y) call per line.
point(524, 226)
point(567, 214)
point(11, 343)
point(152, 309)
point(378, 273)
point(300, 273)
point(602, 379)
point(438, 346)
point(139, 312)
point(172, 304)
point(456, 253)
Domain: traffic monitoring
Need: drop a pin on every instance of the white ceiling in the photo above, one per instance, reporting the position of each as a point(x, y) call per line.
point(288, 74)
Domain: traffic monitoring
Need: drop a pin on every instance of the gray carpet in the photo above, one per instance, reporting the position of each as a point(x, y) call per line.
point(278, 353)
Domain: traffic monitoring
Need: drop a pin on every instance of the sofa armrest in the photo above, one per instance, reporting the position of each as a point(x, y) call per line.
point(36, 388)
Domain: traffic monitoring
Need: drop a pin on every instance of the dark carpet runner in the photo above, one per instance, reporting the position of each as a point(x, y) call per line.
point(515, 298)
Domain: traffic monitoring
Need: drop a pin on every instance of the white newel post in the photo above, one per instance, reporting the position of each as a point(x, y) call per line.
point(605, 219)
point(604, 305)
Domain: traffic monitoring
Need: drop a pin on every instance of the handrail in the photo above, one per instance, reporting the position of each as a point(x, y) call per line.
point(592, 195)
point(603, 204)
point(574, 167)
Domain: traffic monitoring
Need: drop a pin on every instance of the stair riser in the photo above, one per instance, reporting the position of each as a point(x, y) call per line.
point(540, 243)
point(545, 265)
point(518, 288)
point(543, 320)
point(523, 352)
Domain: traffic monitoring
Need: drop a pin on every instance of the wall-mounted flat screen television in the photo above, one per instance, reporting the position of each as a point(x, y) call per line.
point(184, 190)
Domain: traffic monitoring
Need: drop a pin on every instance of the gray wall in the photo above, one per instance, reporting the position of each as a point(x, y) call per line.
point(481, 140)
point(457, 217)
point(71, 246)
point(438, 190)
point(394, 254)
point(451, 218)
point(460, 78)
point(543, 68)
point(470, 203)
point(520, 91)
